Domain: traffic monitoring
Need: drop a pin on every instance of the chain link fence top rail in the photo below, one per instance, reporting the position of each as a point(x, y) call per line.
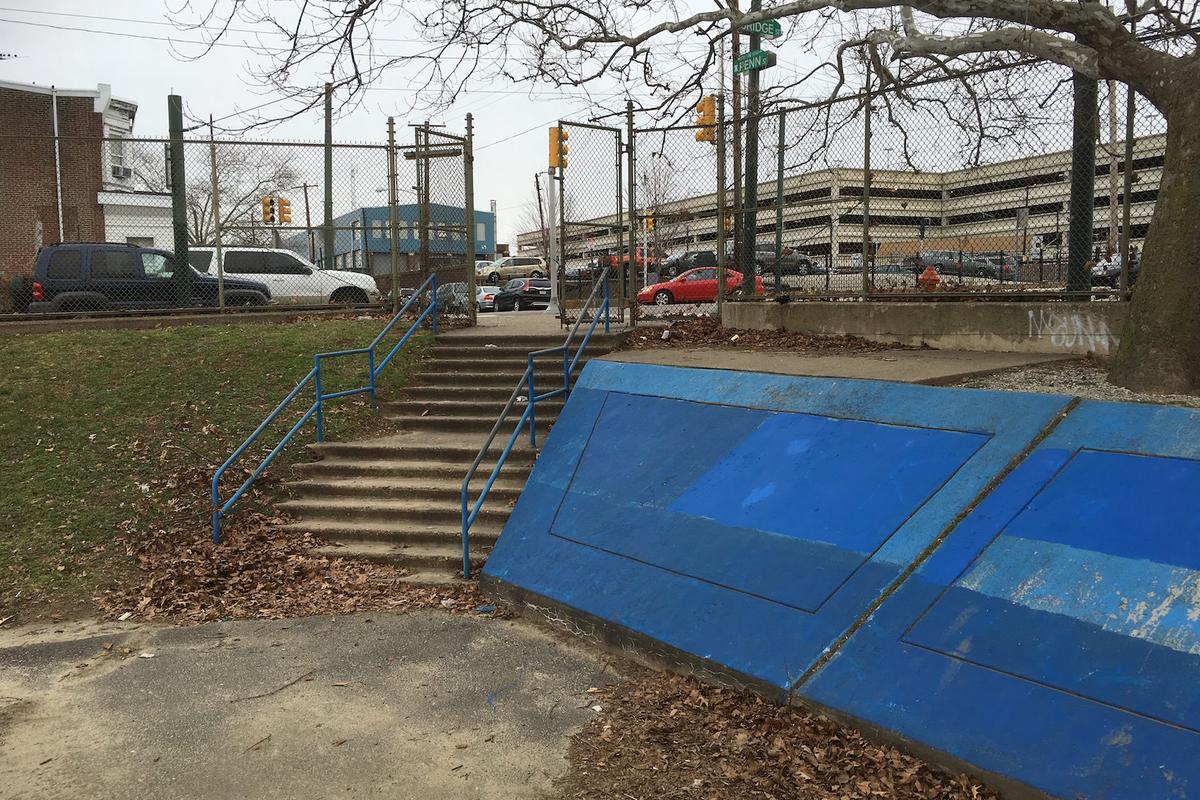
point(969, 191)
point(262, 204)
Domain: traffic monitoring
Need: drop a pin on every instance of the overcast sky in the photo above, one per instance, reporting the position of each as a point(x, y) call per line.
point(510, 123)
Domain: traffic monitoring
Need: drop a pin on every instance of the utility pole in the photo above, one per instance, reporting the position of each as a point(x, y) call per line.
point(216, 214)
point(469, 213)
point(738, 233)
point(552, 262)
point(327, 238)
point(393, 215)
point(312, 242)
point(721, 209)
point(748, 265)
point(181, 269)
point(543, 231)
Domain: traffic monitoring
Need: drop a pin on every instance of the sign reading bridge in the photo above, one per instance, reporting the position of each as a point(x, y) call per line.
point(768, 29)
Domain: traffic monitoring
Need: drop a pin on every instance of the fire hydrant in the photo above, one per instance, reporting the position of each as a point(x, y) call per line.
point(929, 279)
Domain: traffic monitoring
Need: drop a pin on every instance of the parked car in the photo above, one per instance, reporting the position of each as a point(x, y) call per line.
point(453, 299)
point(521, 294)
point(292, 278)
point(485, 297)
point(951, 263)
point(103, 276)
point(681, 262)
point(1108, 271)
point(790, 262)
point(693, 286)
point(512, 267)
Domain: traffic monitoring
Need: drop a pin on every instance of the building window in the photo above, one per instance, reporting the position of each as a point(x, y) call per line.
point(480, 232)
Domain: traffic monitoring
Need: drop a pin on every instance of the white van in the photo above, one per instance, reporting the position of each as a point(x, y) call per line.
point(291, 278)
point(511, 267)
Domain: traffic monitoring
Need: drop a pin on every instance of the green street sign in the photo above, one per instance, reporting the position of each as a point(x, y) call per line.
point(752, 61)
point(768, 29)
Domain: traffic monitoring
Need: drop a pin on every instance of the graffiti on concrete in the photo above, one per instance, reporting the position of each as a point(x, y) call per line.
point(1074, 332)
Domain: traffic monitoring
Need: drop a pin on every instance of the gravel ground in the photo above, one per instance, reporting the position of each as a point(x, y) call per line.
point(1085, 378)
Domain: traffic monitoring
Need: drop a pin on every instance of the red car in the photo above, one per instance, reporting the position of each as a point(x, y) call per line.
point(694, 286)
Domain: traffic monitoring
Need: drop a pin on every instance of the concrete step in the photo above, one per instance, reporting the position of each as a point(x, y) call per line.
point(399, 512)
point(443, 558)
point(460, 406)
point(527, 342)
point(484, 531)
point(477, 423)
point(417, 471)
point(459, 450)
point(505, 491)
point(495, 394)
point(547, 379)
point(458, 351)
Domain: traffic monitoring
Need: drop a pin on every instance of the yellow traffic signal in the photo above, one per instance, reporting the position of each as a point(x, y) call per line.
point(285, 211)
point(706, 118)
point(558, 147)
point(268, 210)
point(650, 221)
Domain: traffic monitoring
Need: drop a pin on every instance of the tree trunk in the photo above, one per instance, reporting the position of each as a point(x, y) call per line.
point(1160, 345)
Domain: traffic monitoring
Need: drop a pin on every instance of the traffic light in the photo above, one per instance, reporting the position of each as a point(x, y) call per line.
point(268, 210)
point(706, 118)
point(558, 147)
point(285, 211)
point(650, 221)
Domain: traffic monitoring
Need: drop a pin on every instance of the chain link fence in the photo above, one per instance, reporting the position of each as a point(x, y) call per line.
point(268, 224)
point(949, 187)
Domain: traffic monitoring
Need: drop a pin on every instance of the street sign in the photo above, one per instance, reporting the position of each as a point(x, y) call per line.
point(752, 61)
point(768, 29)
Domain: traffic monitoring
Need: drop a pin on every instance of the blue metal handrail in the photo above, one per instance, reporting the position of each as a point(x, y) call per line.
point(470, 512)
point(317, 408)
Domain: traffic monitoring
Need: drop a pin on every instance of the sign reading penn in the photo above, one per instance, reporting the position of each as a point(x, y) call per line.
point(752, 61)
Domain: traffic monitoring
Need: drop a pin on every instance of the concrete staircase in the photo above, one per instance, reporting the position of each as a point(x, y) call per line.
point(397, 498)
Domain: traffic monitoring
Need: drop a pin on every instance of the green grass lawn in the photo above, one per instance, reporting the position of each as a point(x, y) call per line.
point(110, 433)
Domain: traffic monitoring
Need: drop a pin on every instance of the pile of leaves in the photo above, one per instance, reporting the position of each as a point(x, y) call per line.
point(663, 736)
point(709, 333)
point(257, 571)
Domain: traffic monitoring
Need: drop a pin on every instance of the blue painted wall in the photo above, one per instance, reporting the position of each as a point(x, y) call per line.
point(1055, 635)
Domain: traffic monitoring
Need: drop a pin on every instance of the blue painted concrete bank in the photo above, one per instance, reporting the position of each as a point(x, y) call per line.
point(749, 519)
point(1054, 637)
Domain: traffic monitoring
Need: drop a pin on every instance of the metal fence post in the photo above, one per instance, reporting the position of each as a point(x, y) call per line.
point(182, 274)
point(866, 186)
point(721, 207)
point(469, 210)
point(327, 234)
point(1130, 109)
point(629, 268)
point(779, 207)
point(216, 214)
point(393, 215)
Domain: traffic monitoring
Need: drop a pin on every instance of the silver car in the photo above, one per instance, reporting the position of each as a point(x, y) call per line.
point(512, 267)
point(485, 297)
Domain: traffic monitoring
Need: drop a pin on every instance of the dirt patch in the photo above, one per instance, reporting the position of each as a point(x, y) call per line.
point(257, 571)
point(664, 736)
point(1087, 378)
point(707, 332)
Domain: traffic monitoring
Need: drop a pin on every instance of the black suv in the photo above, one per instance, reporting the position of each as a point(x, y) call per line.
point(100, 277)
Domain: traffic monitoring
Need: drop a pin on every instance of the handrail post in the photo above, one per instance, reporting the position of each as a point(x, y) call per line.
point(320, 406)
point(371, 373)
point(566, 370)
point(216, 526)
point(433, 288)
point(466, 536)
point(532, 404)
point(606, 299)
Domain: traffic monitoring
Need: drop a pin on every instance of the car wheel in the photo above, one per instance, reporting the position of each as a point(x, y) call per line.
point(537, 273)
point(982, 273)
point(351, 296)
point(517, 304)
point(494, 278)
point(663, 298)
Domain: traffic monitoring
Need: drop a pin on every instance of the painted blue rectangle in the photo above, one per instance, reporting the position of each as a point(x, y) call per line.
point(1125, 504)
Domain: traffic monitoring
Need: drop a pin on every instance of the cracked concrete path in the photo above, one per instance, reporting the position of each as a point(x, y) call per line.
point(421, 705)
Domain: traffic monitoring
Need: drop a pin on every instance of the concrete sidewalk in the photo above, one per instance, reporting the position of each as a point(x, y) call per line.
point(425, 704)
point(937, 367)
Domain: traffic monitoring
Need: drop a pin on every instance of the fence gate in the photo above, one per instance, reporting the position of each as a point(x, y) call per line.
point(593, 230)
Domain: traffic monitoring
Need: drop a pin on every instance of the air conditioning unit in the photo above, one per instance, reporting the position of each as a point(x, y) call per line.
point(121, 172)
